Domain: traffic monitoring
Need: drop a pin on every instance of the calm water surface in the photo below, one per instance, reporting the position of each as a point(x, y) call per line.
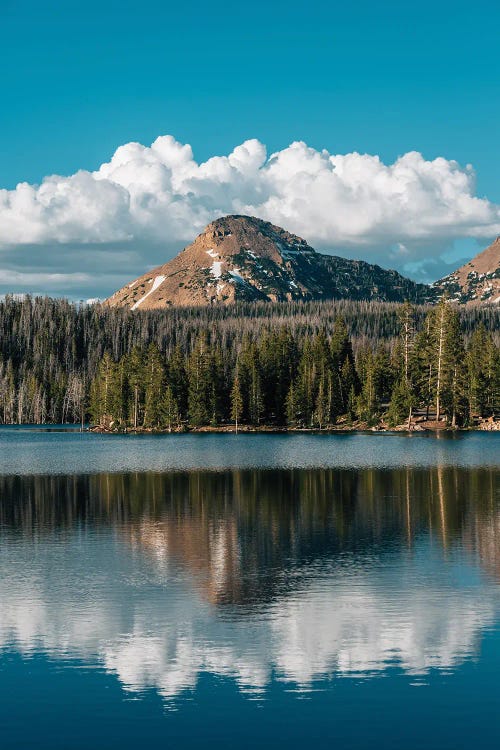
point(319, 591)
point(30, 450)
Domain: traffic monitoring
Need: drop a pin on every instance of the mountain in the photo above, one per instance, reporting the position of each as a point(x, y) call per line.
point(244, 258)
point(476, 281)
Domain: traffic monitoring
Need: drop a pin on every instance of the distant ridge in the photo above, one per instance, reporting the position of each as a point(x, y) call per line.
point(245, 258)
point(476, 281)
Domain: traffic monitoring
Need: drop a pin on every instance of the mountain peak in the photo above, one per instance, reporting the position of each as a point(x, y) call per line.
point(478, 280)
point(245, 258)
point(236, 234)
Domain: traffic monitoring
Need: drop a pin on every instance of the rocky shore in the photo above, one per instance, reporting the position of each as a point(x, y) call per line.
point(488, 425)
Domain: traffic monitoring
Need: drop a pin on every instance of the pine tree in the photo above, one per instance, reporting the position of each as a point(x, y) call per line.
point(352, 404)
point(406, 319)
point(440, 321)
point(7, 393)
point(383, 375)
point(424, 365)
point(255, 398)
point(136, 375)
point(343, 367)
point(322, 402)
point(292, 409)
point(154, 386)
point(367, 402)
point(349, 383)
point(200, 391)
point(401, 404)
point(218, 387)
point(236, 400)
point(454, 392)
point(105, 395)
point(404, 394)
point(307, 384)
point(178, 380)
point(169, 409)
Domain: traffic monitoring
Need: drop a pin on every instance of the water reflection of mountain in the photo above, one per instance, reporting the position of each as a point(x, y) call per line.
point(250, 574)
point(238, 532)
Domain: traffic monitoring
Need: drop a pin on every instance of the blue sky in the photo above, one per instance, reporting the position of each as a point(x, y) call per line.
point(82, 78)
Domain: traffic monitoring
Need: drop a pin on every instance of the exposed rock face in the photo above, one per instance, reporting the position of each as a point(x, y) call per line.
point(476, 281)
point(244, 258)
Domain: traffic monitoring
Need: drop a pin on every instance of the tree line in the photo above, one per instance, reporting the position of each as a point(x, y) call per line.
point(309, 364)
point(305, 382)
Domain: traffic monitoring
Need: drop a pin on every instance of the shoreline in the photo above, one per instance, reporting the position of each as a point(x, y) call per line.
point(418, 428)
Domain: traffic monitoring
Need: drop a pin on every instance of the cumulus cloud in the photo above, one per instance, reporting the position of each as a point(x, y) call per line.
point(157, 198)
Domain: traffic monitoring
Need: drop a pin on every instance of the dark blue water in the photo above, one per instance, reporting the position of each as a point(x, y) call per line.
point(322, 591)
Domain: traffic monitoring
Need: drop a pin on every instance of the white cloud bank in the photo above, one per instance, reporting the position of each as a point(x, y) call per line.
point(159, 197)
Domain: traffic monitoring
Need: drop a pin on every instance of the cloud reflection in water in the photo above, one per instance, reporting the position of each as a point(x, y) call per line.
point(256, 576)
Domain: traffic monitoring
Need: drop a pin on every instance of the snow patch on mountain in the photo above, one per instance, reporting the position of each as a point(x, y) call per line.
point(158, 280)
point(236, 275)
point(216, 269)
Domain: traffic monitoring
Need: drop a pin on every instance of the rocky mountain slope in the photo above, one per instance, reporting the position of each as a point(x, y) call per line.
point(244, 258)
point(476, 281)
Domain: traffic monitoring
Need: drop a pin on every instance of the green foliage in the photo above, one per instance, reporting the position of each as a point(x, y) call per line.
point(301, 364)
point(236, 400)
point(401, 404)
point(106, 393)
point(135, 377)
point(200, 390)
point(154, 386)
point(483, 374)
point(368, 404)
point(170, 417)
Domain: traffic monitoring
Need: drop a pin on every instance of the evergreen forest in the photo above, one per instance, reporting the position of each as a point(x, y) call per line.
point(298, 365)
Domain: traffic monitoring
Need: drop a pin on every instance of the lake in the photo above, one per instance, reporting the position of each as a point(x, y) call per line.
point(273, 590)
